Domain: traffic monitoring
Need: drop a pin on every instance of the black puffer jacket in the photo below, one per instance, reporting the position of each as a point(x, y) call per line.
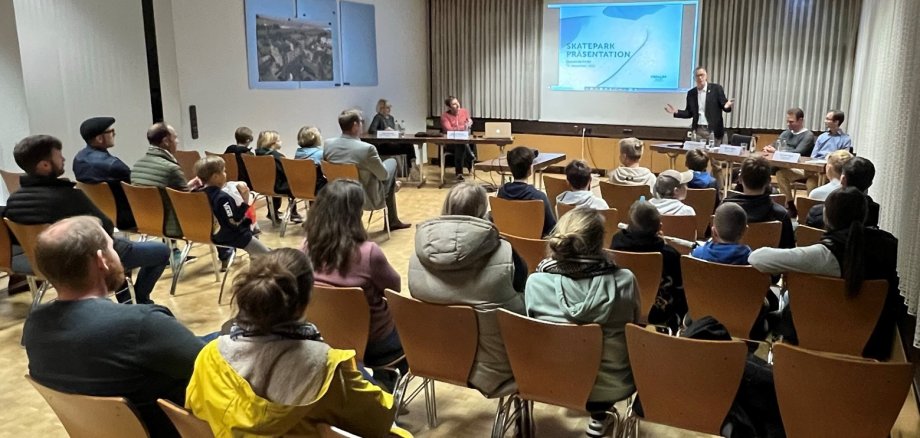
point(45, 200)
point(671, 300)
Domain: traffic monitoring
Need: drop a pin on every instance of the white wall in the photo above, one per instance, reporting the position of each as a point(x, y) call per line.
point(166, 54)
point(14, 117)
point(85, 58)
point(210, 44)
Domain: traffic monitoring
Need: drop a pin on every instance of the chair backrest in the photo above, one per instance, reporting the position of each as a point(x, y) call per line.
point(85, 416)
point(562, 209)
point(187, 160)
point(824, 394)
point(519, 218)
point(731, 294)
point(779, 199)
point(11, 179)
point(611, 224)
point(194, 213)
point(763, 234)
point(301, 176)
point(230, 164)
point(188, 425)
point(439, 341)
point(342, 316)
point(805, 235)
point(804, 204)
point(147, 206)
point(334, 171)
point(703, 202)
point(621, 197)
point(102, 197)
point(737, 139)
point(261, 170)
point(27, 235)
point(647, 267)
point(541, 355)
point(826, 319)
point(683, 227)
point(533, 251)
point(554, 187)
point(686, 383)
point(6, 249)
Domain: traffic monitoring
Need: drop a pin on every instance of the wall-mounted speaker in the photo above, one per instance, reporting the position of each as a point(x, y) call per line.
point(193, 121)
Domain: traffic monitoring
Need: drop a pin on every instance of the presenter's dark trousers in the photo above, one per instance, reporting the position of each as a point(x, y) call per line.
point(463, 157)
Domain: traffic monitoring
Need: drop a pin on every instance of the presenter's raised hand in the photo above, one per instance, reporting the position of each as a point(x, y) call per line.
point(670, 109)
point(729, 104)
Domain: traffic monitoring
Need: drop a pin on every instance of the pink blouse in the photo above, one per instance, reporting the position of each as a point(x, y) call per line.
point(450, 122)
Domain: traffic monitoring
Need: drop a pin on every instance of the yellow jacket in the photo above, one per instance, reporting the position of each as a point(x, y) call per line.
point(220, 396)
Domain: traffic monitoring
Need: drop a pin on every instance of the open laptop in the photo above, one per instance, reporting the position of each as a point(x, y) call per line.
point(497, 130)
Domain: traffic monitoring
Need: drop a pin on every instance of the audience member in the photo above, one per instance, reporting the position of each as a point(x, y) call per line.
point(343, 257)
point(243, 136)
point(697, 160)
point(833, 169)
point(728, 227)
point(857, 172)
point(578, 284)
point(670, 191)
point(269, 143)
point(310, 147)
point(578, 175)
point(520, 161)
point(755, 178)
point(643, 234)
point(273, 375)
point(83, 343)
point(45, 198)
point(94, 164)
point(384, 121)
point(834, 139)
point(460, 259)
point(629, 172)
point(377, 177)
point(797, 138)
point(159, 168)
point(458, 119)
point(849, 250)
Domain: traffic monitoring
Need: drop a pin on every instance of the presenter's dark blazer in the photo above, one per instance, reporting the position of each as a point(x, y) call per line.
point(715, 104)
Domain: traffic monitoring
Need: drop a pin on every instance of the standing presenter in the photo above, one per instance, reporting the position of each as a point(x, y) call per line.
point(711, 98)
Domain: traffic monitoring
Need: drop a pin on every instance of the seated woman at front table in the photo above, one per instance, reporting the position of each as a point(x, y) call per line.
point(458, 119)
point(273, 375)
point(849, 250)
point(578, 284)
point(384, 121)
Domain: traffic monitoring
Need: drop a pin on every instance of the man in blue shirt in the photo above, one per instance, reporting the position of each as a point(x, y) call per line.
point(94, 164)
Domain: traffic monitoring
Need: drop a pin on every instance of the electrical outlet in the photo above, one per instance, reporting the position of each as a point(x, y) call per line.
point(587, 130)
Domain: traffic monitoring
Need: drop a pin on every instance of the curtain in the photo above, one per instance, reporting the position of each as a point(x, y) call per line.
point(887, 105)
point(775, 55)
point(487, 54)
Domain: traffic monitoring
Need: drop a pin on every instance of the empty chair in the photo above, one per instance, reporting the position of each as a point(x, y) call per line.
point(732, 294)
point(682, 227)
point(147, 206)
point(827, 319)
point(803, 205)
point(805, 235)
point(763, 234)
point(518, 218)
point(533, 251)
point(738, 139)
point(686, 383)
point(11, 179)
point(342, 316)
point(85, 416)
point(187, 424)
point(554, 187)
point(830, 395)
point(621, 197)
point(102, 197)
point(187, 160)
point(703, 202)
point(647, 267)
point(301, 175)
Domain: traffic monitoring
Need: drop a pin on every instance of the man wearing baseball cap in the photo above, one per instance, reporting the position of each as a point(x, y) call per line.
point(94, 164)
point(670, 191)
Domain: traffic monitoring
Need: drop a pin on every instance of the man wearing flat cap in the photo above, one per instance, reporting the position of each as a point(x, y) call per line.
point(94, 164)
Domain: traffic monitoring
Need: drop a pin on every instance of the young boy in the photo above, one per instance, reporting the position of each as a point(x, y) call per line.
point(697, 160)
point(233, 225)
point(670, 191)
point(756, 202)
point(728, 228)
point(578, 174)
point(520, 161)
point(630, 173)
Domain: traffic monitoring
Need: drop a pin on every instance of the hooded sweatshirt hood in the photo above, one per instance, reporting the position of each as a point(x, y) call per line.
point(581, 198)
point(633, 176)
point(453, 243)
point(672, 207)
point(725, 253)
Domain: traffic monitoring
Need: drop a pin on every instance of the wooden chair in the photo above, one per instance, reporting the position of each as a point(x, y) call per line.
point(440, 343)
point(621, 197)
point(731, 294)
point(682, 227)
point(826, 319)
point(262, 174)
point(830, 395)
point(102, 197)
point(805, 235)
point(533, 251)
point(85, 416)
point(187, 424)
point(334, 171)
point(187, 160)
point(685, 383)
point(197, 222)
point(763, 234)
point(554, 187)
point(230, 164)
point(147, 206)
point(779, 199)
point(554, 378)
point(703, 202)
point(11, 179)
point(518, 218)
point(562, 209)
point(301, 176)
point(647, 267)
point(342, 316)
point(803, 205)
point(27, 235)
point(611, 224)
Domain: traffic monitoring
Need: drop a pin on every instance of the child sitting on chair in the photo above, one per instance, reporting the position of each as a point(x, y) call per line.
point(697, 160)
point(728, 227)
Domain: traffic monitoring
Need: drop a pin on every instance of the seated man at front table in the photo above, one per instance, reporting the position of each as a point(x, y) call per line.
point(377, 177)
point(82, 343)
point(45, 198)
point(520, 161)
point(630, 173)
point(797, 138)
point(834, 139)
point(94, 164)
point(759, 207)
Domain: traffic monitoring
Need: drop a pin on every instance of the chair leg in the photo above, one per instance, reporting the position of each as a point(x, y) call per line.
point(370, 217)
point(431, 404)
point(131, 290)
point(386, 221)
point(178, 271)
point(215, 262)
point(223, 282)
point(38, 292)
point(498, 424)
